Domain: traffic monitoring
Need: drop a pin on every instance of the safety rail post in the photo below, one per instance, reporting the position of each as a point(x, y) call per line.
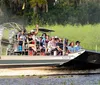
point(63, 46)
point(1, 34)
point(0, 49)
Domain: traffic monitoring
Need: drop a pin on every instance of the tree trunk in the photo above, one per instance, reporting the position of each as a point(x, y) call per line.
point(1, 12)
point(47, 7)
point(35, 9)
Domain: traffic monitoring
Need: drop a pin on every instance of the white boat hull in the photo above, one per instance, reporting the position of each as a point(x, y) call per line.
point(38, 60)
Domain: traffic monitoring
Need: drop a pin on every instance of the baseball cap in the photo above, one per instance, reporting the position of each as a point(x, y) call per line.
point(32, 31)
point(56, 36)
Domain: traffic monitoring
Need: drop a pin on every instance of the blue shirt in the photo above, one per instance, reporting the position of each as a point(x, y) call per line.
point(43, 40)
point(71, 49)
point(77, 48)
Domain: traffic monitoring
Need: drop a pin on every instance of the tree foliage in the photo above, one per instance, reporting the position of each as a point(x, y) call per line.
point(60, 12)
point(34, 3)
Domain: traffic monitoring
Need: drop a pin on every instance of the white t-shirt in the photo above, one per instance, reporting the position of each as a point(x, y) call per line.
point(33, 37)
point(22, 37)
point(51, 45)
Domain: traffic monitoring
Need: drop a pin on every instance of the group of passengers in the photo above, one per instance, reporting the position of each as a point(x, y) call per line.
point(44, 44)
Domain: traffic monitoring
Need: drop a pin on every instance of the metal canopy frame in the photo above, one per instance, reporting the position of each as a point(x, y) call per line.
point(10, 25)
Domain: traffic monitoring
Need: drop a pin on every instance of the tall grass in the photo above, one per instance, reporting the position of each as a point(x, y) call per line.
point(88, 35)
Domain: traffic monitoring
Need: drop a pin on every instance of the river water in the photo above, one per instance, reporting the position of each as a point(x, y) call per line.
point(52, 80)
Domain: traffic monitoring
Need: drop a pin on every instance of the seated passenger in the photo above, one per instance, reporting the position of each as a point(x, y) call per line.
point(71, 48)
point(31, 44)
point(44, 39)
point(32, 38)
point(47, 38)
point(59, 47)
point(51, 46)
point(21, 41)
point(66, 42)
point(34, 33)
point(77, 46)
point(41, 44)
point(18, 35)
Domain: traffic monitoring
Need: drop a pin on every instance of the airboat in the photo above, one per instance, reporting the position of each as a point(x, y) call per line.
point(12, 58)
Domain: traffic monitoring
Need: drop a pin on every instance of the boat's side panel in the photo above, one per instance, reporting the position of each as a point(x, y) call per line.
point(31, 62)
point(35, 60)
